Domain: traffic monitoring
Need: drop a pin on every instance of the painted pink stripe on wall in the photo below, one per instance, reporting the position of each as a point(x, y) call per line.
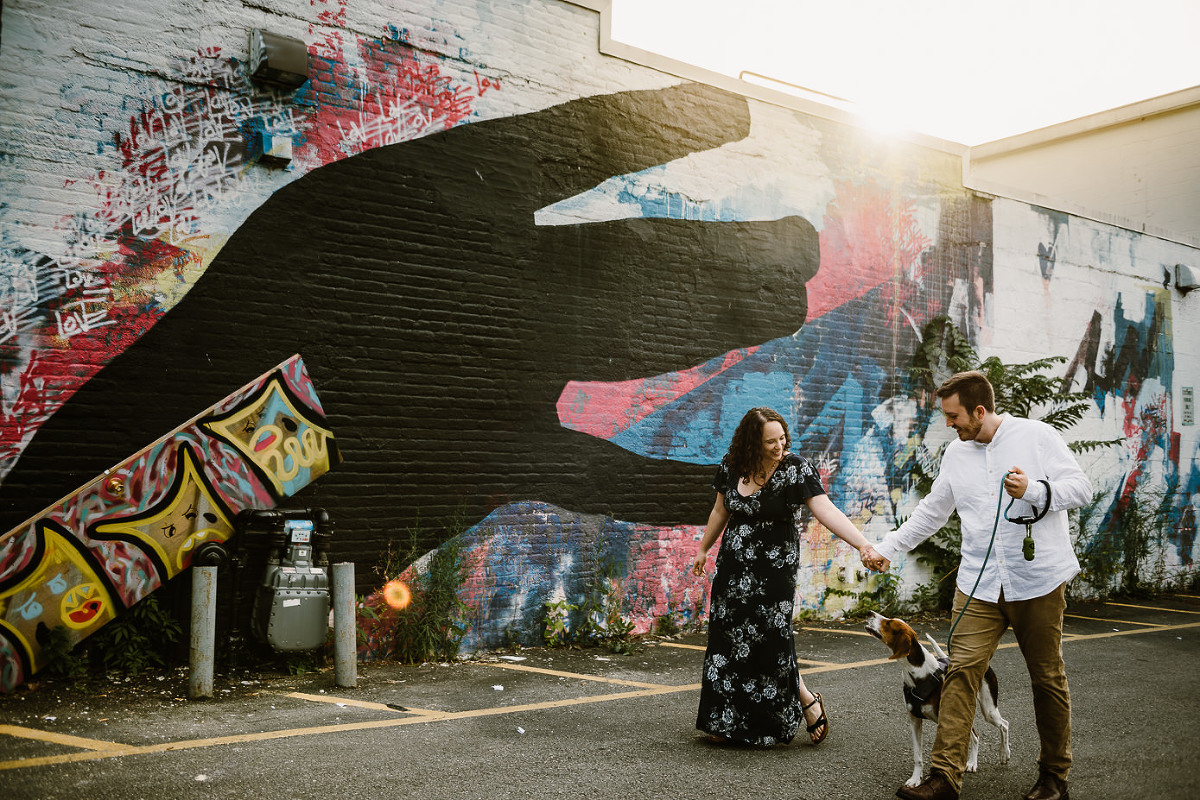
point(603, 409)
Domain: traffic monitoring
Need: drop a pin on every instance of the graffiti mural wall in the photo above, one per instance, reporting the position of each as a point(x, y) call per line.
point(537, 285)
point(1107, 295)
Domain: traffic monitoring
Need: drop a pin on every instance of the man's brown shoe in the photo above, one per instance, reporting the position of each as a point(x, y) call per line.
point(935, 787)
point(1048, 787)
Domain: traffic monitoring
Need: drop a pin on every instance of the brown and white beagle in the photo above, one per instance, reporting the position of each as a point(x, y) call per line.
point(923, 676)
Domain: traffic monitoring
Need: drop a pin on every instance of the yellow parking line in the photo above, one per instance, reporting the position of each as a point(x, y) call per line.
point(129, 750)
point(701, 647)
point(57, 738)
point(577, 675)
point(849, 665)
point(835, 630)
point(683, 646)
point(1110, 634)
point(1115, 621)
point(1153, 608)
point(345, 701)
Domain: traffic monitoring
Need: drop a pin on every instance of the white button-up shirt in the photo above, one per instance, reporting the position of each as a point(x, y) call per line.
point(971, 480)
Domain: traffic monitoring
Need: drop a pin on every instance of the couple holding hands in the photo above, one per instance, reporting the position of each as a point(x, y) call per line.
point(751, 689)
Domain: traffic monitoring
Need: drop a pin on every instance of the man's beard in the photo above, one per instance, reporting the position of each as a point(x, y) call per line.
point(968, 432)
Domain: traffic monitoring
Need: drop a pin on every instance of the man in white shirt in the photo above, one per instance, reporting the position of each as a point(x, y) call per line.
point(1035, 466)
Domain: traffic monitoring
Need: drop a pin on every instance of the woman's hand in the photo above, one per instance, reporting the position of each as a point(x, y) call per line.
point(872, 560)
point(698, 563)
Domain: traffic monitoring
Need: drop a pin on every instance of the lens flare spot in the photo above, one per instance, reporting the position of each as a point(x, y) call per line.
point(396, 594)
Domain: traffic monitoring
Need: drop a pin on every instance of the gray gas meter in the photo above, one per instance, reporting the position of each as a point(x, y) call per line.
point(291, 606)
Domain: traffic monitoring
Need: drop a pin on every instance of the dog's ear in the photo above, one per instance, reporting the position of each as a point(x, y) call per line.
point(897, 638)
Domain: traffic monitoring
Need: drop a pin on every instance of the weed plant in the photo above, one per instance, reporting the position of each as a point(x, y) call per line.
point(432, 626)
point(556, 629)
point(882, 595)
point(61, 660)
point(597, 620)
point(138, 641)
point(1114, 558)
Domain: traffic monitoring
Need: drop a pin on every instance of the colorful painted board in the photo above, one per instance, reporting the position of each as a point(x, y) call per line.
point(115, 540)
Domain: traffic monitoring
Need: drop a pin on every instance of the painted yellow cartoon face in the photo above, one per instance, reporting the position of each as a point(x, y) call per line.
point(82, 604)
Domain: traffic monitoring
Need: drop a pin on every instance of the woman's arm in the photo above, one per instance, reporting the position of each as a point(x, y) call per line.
point(718, 518)
point(840, 526)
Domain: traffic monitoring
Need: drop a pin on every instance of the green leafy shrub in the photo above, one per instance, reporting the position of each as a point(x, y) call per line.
point(556, 630)
point(1113, 559)
point(882, 594)
point(60, 658)
point(140, 639)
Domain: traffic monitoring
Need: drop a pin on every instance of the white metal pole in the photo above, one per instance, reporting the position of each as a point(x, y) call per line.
point(345, 626)
point(204, 631)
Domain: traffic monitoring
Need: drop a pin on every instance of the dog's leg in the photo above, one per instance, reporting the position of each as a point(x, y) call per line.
point(991, 712)
point(914, 724)
point(973, 753)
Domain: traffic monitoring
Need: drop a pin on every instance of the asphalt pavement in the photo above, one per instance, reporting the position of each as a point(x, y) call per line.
point(578, 724)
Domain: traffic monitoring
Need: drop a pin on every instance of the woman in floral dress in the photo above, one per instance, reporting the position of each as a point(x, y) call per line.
point(751, 689)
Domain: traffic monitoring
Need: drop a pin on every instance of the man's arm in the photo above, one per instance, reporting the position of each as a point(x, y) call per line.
point(1069, 485)
point(927, 519)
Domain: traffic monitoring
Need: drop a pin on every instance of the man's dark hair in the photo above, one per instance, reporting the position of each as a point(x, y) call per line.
point(973, 390)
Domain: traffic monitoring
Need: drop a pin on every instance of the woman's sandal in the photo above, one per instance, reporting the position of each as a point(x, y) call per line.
point(821, 720)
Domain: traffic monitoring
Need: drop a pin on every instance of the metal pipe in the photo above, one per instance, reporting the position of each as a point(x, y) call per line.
point(345, 626)
point(204, 630)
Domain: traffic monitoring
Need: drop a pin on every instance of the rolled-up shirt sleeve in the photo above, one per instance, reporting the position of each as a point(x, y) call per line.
point(1070, 487)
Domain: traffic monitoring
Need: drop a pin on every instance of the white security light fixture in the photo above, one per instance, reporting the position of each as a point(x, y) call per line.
point(1186, 278)
point(278, 60)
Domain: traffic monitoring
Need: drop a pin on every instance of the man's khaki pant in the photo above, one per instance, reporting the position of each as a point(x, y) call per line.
point(1037, 624)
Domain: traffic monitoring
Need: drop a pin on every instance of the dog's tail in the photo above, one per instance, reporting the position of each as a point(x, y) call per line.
point(936, 648)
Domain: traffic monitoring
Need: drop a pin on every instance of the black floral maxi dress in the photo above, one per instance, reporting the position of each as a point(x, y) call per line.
point(750, 689)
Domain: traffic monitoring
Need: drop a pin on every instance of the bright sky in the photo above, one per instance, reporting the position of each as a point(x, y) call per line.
point(970, 71)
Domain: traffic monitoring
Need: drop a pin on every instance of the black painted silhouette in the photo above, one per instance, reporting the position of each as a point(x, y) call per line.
point(440, 324)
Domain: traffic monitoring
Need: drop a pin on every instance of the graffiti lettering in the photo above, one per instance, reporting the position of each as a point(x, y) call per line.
point(18, 300)
point(482, 84)
point(401, 120)
point(92, 313)
point(284, 456)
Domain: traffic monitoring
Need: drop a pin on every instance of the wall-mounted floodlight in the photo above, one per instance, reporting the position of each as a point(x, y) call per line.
point(271, 149)
point(1186, 278)
point(278, 60)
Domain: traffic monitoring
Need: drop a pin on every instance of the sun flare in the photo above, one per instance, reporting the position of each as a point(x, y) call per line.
point(396, 594)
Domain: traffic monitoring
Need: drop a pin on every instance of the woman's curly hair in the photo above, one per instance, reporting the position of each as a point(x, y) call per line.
point(745, 451)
